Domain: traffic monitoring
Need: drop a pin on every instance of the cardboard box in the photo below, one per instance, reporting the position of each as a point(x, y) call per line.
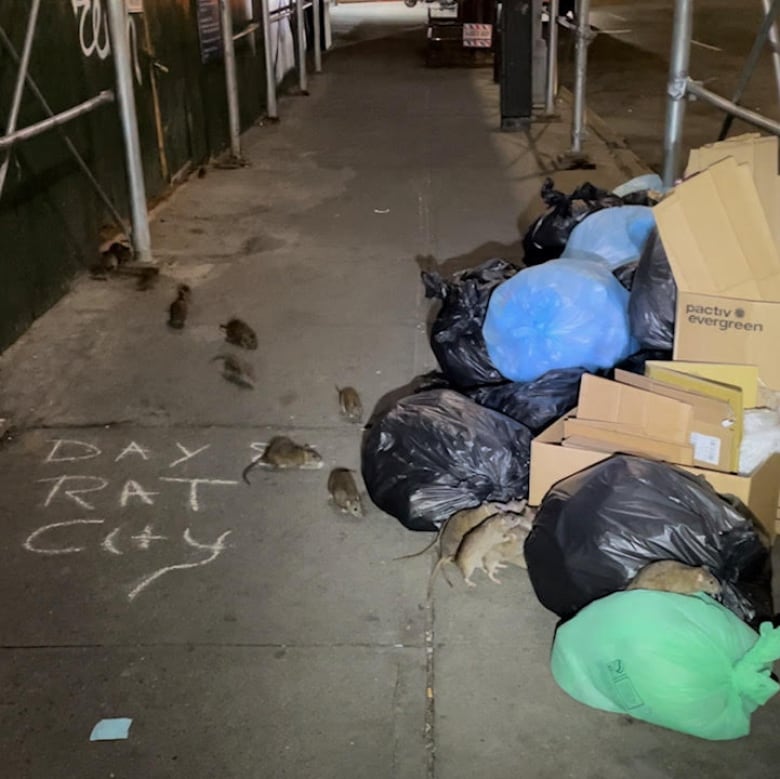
point(760, 154)
point(725, 261)
point(638, 415)
point(598, 436)
point(551, 462)
point(716, 432)
point(743, 376)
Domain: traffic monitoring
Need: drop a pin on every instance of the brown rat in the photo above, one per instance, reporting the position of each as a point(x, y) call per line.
point(282, 452)
point(177, 313)
point(344, 492)
point(237, 371)
point(672, 576)
point(452, 530)
point(460, 524)
point(239, 333)
point(478, 543)
point(350, 404)
point(509, 551)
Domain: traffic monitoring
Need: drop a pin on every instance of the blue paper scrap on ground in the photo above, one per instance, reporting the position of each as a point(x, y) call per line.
point(111, 729)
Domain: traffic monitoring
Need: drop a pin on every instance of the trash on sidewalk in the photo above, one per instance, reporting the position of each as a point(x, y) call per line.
point(114, 729)
point(760, 438)
point(456, 337)
point(597, 529)
point(437, 452)
point(534, 403)
point(679, 661)
point(651, 307)
point(625, 273)
point(725, 260)
point(562, 314)
point(549, 233)
point(546, 238)
point(614, 236)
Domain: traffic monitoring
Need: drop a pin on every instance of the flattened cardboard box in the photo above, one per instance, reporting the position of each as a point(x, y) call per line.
point(551, 462)
point(743, 376)
point(726, 265)
point(638, 415)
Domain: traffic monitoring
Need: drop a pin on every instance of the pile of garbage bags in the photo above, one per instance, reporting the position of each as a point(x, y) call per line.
point(667, 652)
point(595, 293)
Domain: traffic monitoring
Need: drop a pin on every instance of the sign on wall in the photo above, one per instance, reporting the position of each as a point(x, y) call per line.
point(209, 30)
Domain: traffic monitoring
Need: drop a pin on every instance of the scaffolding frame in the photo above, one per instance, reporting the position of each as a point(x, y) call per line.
point(681, 87)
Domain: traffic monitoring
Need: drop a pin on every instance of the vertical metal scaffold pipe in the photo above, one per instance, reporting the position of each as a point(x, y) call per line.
point(301, 46)
point(552, 59)
point(315, 6)
point(676, 89)
point(774, 40)
point(16, 100)
point(270, 73)
point(231, 83)
point(120, 45)
point(326, 24)
point(580, 75)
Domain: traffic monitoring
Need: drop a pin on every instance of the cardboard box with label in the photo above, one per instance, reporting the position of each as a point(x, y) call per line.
point(698, 422)
point(721, 231)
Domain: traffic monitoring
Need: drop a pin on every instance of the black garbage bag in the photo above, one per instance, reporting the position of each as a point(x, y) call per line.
point(437, 452)
point(595, 530)
point(546, 238)
point(456, 338)
point(536, 403)
point(625, 273)
point(653, 300)
point(635, 363)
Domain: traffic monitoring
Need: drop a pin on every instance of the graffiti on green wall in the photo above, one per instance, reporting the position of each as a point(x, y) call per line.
point(93, 32)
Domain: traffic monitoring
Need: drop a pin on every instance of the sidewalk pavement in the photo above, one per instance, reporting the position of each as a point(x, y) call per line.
point(250, 631)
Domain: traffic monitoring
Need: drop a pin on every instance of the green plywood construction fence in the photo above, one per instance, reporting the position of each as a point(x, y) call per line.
point(50, 218)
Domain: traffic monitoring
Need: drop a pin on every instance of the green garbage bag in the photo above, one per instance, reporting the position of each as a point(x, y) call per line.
point(680, 661)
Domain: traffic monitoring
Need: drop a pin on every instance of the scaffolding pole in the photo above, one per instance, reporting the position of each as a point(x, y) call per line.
point(231, 83)
point(301, 38)
point(580, 75)
point(750, 63)
point(16, 100)
point(774, 40)
point(552, 59)
point(317, 17)
point(120, 45)
point(270, 73)
point(676, 89)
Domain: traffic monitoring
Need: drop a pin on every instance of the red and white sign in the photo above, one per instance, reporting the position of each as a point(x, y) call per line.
point(477, 36)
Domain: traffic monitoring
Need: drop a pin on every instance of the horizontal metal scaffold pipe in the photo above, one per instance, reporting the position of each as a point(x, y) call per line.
point(765, 123)
point(248, 30)
point(106, 96)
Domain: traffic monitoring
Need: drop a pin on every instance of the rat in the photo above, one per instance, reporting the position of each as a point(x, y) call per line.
point(239, 333)
point(671, 576)
point(177, 313)
point(454, 530)
point(121, 251)
point(350, 404)
point(237, 371)
point(344, 492)
point(478, 543)
point(283, 452)
point(509, 551)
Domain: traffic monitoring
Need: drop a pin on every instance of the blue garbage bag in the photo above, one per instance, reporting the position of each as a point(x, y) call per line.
point(562, 314)
point(614, 235)
point(643, 183)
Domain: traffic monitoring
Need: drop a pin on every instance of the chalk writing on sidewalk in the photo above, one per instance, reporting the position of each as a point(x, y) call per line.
point(89, 492)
